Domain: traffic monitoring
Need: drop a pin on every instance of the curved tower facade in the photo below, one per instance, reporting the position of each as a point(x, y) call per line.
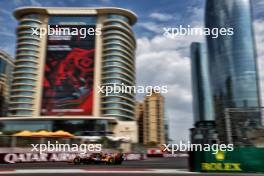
point(118, 66)
point(232, 59)
point(59, 75)
point(25, 76)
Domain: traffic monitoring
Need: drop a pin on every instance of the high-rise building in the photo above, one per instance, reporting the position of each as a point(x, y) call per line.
point(65, 56)
point(139, 113)
point(166, 129)
point(6, 66)
point(203, 109)
point(60, 74)
point(232, 61)
point(151, 122)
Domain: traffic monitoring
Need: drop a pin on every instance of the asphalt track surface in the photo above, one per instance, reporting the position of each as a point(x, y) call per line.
point(151, 166)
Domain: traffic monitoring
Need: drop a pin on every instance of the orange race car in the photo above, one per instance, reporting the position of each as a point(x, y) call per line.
point(100, 158)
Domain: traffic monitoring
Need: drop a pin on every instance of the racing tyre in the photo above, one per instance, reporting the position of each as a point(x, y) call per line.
point(111, 161)
point(77, 161)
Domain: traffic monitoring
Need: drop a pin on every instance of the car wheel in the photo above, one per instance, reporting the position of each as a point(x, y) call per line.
point(111, 161)
point(77, 161)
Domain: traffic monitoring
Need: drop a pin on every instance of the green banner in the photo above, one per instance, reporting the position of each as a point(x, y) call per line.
point(248, 159)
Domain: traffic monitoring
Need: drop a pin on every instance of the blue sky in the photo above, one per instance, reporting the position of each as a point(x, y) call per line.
point(159, 60)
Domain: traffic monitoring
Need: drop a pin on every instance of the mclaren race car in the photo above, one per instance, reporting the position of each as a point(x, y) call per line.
point(100, 158)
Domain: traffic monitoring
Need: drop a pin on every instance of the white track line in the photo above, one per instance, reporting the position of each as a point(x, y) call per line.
point(64, 171)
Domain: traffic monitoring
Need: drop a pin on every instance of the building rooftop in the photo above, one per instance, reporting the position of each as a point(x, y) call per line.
point(76, 10)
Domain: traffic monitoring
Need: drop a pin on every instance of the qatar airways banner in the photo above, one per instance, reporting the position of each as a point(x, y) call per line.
point(54, 157)
point(69, 71)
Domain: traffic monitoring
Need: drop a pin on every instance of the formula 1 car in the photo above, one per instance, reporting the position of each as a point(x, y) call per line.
point(100, 158)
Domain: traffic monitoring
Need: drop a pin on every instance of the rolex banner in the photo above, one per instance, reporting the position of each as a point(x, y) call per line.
point(248, 159)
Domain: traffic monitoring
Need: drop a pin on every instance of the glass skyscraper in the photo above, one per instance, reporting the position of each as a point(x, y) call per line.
point(232, 59)
point(202, 97)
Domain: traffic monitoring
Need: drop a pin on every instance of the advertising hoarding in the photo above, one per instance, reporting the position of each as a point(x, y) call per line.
point(69, 72)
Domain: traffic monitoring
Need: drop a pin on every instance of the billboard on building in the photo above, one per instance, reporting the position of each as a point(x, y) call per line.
point(69, 68)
